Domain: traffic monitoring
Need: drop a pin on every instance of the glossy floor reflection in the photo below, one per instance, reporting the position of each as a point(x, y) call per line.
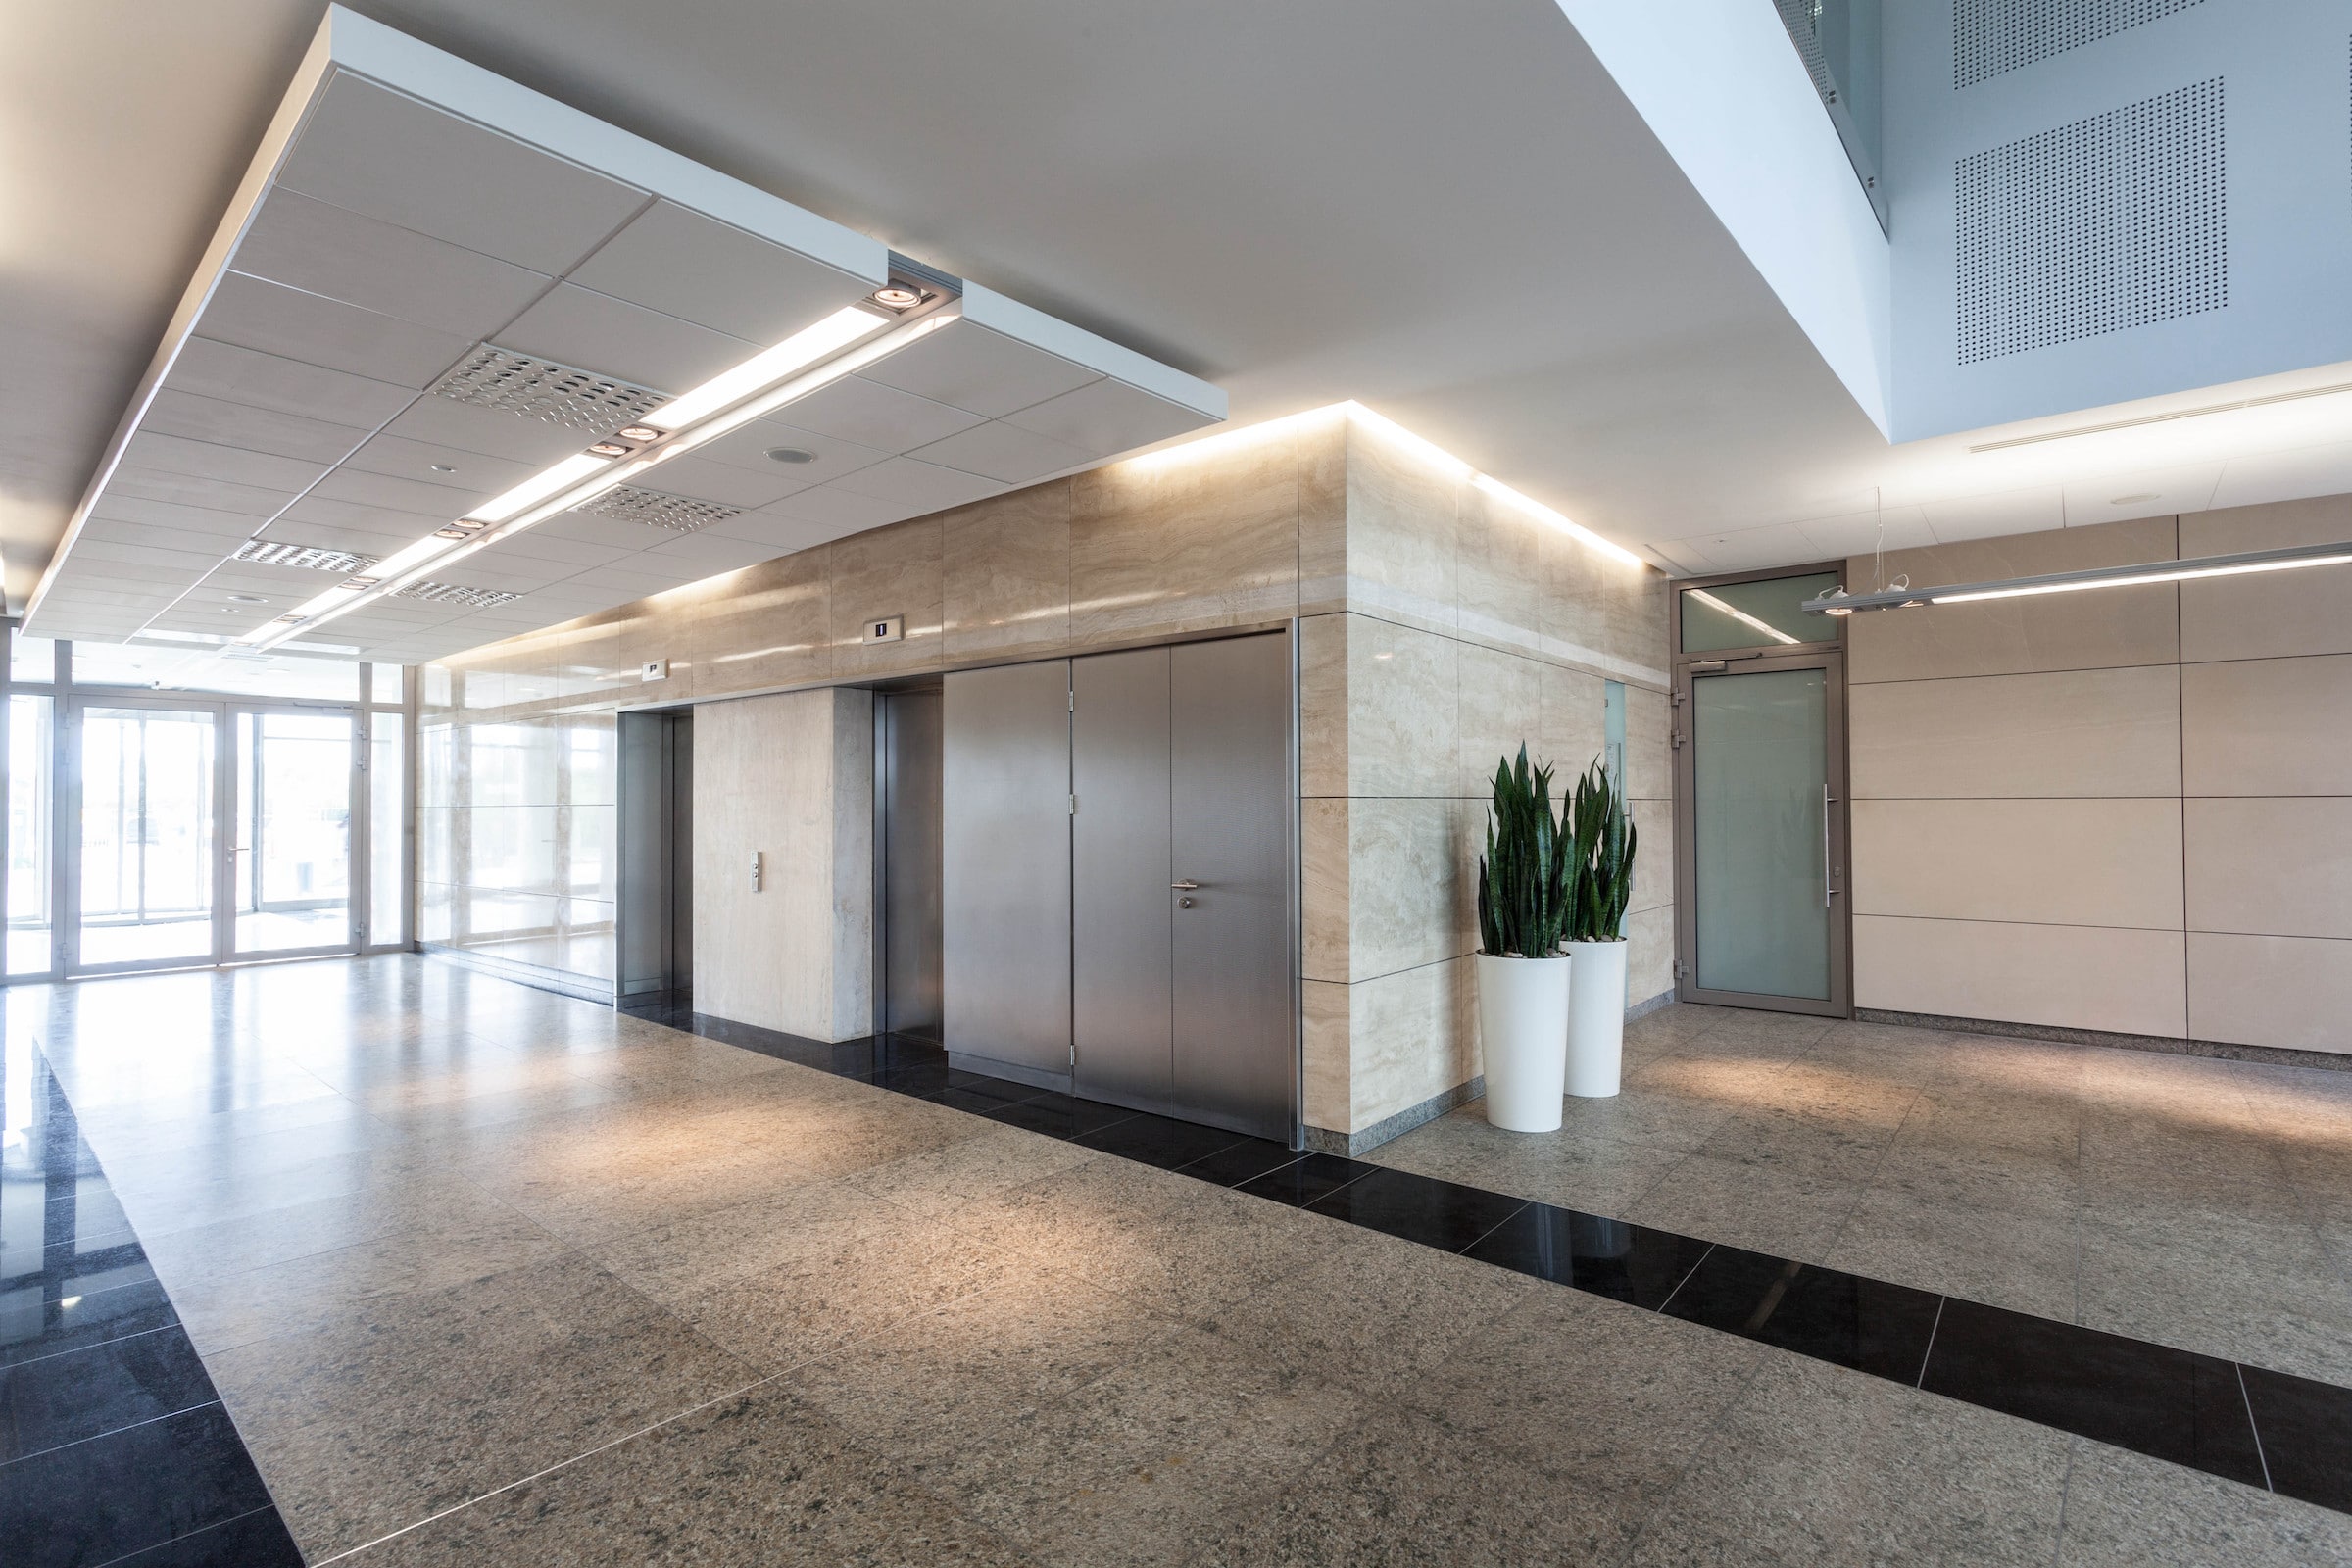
point(488, 1276)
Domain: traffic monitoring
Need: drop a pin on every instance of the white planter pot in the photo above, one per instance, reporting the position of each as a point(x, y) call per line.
point(1523, 1032)
point(1597, 1018)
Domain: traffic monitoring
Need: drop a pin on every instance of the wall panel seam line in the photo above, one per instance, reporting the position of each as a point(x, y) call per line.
point(2030, 925)
point(1410, 968)
point(2268, 936)
point(2063, 670)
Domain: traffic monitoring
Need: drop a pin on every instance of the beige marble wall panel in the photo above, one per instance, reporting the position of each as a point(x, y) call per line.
point(1649, 745)
point(1412, 1036)
point(666, 627)
point(1162, 545)
point(1602, 612)
point(1324, 861)
point(1653, 855)
point(2095, 732)
point(2268, 726)
point(1323, 704)
point(2290, 992)
point(888, 571)
point(2274, 868)
point(1327, 1053)
point(2117, 626)
point(1005, 575)
point(2266, 614)
point(1499, 572)
point(1404, 517)
point(1403, 715)
point(2059, 862)
point(1575, 722)
point(1650, 963)
point(2074, 978)
point(1501, 707)
point(851, 872)
point(771, 626)
point(1322, 438)
point(562, 668)
point(1412, 900)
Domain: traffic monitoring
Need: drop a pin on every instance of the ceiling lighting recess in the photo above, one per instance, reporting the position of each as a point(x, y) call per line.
point(804, 348)
point(1837, 603)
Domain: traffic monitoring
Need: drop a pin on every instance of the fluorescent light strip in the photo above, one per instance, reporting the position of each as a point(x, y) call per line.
point(2067, 582)
point(585, 475)
point(1743, 616)
point(803, 349)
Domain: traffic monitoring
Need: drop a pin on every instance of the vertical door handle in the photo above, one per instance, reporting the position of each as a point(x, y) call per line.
point(1826, 889)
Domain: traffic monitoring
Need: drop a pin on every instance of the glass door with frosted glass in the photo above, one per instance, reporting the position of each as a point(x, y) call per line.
point(1763, 887)
point(294, 799)
point(146, 879)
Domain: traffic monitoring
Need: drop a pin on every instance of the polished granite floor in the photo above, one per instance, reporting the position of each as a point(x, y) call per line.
point(2196, 1202)
point(485, 1275)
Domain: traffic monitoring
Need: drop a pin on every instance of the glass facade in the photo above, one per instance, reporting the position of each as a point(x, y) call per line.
point(31, 739)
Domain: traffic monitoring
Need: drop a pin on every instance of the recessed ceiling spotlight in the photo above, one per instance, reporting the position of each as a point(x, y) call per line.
point(248, 598)
point(638, 433)
point(897, 297)
point(608, 449)
point(443, 467)
point(357, 583)
point(453, 531)
point(790, 455)
point(469, 524)
point(2124, 501)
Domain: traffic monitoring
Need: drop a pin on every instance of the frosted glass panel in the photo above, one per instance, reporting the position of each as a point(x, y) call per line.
point(1760, 773)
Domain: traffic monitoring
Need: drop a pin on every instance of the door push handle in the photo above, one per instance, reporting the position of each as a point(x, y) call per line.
point(1185, 887)
point(1829, 872)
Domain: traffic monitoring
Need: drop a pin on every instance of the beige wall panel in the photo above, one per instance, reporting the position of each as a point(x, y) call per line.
point(563, 666)
point(1654, 858)
point(853, 868)
point(2290, 992)
point(1411, 898)
point(1574, 729)
point(1502, 705)
point(1413, 1035)
point(2274, 867)
point(2059, 862)
point(2268, 726)
point(1602, 612)
point(2119, 626)
point(1499, 574)
point(1322, 511)
point(1403, 511)
point(1326, 1049)
point(2095, 732)
point(1323, 896)
point(882, 572)
point(1005, 575)
point(1166, 545)
point(1649, 962)
point(1323, 704)
point(772, 627)
point(1649, 745)
point(2266, 614)
point(1402, 736)
point(2073, 977)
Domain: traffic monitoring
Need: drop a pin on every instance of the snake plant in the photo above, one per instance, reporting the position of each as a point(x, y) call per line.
point(1523, 878)
point(1601, 856)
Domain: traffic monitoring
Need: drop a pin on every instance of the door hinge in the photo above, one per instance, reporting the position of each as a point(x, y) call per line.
point(1678, 968)
point(1678, 740)
point(1073, 806)
point(1073, 702)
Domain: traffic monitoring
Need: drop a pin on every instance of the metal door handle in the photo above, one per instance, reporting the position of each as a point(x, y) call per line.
point(1827, 890)
point(1184, 887)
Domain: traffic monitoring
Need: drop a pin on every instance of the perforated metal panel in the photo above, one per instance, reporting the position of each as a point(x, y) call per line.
point(653, 508)
point(1991, 37)
point(278, 553)
point(2111, 222)
point(541, 389)
point(445, 593)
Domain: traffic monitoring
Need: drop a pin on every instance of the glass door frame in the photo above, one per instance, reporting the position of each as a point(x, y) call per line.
point(355, 891)
point(1827, 655)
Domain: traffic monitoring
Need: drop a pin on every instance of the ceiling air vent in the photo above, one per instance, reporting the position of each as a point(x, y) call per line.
point(676, 514)
point(449, 593)
point(493, 377)
point(2111, 222)
point(278, 552)
point(1992, 36)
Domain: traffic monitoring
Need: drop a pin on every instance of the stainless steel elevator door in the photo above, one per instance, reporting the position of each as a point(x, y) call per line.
point(907, 764)
point(1122, 989)
point(1231, 802)
point(1005, 865)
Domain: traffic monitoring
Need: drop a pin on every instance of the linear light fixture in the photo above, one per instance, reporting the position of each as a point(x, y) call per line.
point(1740, 615)
point(850, 339)
point(1837, 602)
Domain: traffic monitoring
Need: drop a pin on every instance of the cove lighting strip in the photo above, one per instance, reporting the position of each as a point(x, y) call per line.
point(1837, 602)
point(1492, 486)
point(847, 341)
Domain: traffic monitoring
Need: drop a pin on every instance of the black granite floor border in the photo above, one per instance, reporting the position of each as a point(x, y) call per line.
point(2263, 1428)
point(115, 1449)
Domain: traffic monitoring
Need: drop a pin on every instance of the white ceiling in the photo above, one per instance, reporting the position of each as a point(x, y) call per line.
point(1450, 213)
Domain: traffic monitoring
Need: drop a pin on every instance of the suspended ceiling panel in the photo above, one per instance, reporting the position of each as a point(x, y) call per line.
point(434, 283)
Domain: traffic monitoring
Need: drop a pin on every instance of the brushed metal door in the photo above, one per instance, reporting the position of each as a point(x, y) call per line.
point(1230, 803)
point(907, 764)
point(1122, 987)
point(1005, 867)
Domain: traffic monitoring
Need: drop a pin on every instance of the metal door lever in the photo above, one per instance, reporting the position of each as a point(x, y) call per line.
point(1185, 887)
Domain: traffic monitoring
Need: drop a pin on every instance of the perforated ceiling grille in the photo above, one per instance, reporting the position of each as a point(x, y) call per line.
point(541, 389)
point(2110, 223)
point(1800, 17)
point(1991, 36)
point(449, 593)
point(676, 514)
point(278, 552)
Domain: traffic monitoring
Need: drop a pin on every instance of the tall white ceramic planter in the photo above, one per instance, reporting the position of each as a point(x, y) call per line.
point(1595, 1018)
point(1523, 1032)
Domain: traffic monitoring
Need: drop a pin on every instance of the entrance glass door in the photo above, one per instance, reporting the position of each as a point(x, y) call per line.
point(1763, 885)
point(294, 809)
point(151, 795)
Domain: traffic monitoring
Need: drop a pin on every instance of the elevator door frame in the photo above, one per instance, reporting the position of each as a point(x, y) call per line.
point(1829, 655)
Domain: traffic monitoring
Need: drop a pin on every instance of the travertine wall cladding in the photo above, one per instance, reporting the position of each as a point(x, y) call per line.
point(2126, 810)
